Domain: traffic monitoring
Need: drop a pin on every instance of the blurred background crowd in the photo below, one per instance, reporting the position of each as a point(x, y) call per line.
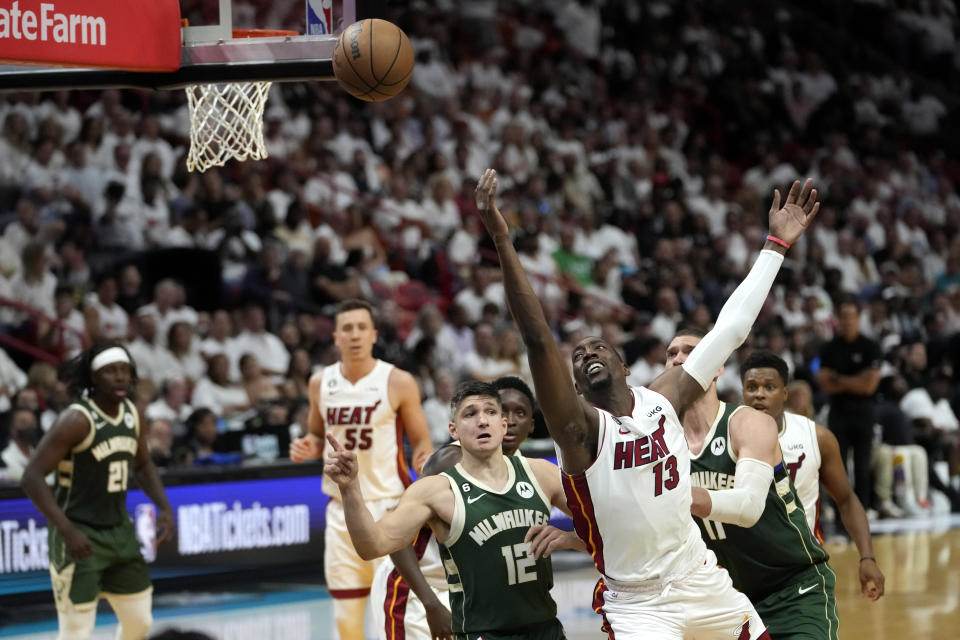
point(638, 146)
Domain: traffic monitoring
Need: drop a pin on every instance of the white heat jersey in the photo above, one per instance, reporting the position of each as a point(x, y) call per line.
point(801, 455)
point(360, 417)
point(632, 505)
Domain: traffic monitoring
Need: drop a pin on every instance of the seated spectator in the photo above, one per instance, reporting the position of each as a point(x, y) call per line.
point(272, 356)
point(436, 408)
point(154, 361)
point(25, 433)
point(216, 392)
point(199, 448)
point(160, 441)
point(189, 365)
point(936, 427)
point(68, 337)
point(221, 330)
point(172, 405)
point(257, 384)
point(897, 449)
point(12, 379)
point(34, 285)
point(298, 376)
point(105, 319)
point(653, 353)
point(169, 306)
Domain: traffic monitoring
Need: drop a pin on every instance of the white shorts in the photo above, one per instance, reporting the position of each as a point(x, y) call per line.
point(398, 613)
point(702, 605)
point(346, 573)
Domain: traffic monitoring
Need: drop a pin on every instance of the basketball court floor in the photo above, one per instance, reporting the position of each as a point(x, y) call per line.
point(920, 558)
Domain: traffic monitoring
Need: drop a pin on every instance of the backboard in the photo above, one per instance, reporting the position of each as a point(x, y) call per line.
point(207, 53)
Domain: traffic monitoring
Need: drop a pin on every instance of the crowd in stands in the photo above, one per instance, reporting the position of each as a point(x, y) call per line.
point(638, 145)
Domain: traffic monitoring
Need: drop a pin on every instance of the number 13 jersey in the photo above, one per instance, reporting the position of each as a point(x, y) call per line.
point(631, 506)
point(360, 417)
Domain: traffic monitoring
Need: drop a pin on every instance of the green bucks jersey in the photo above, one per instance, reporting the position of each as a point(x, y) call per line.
point(91, 484)
point(495, 584)
point(764, 557)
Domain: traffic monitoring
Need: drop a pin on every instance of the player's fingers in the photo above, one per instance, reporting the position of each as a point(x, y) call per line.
point(804, 194)
point(533, 531)
point(333, 443)
point(811, 200)
point(794, 192)
point(775, 206)
point(813, 212)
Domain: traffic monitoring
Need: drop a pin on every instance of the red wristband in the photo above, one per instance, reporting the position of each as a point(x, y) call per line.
point(785, 245)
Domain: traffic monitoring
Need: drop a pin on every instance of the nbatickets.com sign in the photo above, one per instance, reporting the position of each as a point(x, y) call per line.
point(215, 527)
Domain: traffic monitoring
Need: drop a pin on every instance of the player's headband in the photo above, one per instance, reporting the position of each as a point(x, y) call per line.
point(109, 356)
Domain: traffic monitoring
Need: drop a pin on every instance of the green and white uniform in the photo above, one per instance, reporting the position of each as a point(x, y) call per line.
point(777, 563)
point(91, 489)
point(497, 590)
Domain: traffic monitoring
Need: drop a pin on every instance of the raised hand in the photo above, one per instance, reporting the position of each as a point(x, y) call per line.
point(486, 194)
point(341, 465)
point(790, 221)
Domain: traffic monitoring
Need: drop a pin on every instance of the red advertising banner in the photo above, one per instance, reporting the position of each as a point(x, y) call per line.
point(142, 35)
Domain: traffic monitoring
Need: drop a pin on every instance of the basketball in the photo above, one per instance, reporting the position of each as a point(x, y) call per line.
point(373, 60)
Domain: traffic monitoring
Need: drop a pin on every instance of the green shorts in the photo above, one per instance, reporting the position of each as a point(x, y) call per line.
point(552, 630)
point(116, 566)
point(806, 609)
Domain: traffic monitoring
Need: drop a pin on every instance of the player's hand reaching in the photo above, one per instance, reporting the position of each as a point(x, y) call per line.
point(871, 579)
point(544, 539)
point(341, 465)
point(801, 206)
point(305, 448)
point(486, 194)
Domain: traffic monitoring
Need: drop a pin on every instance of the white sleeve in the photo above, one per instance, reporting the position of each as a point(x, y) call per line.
point(735, 320)
point(743, 505)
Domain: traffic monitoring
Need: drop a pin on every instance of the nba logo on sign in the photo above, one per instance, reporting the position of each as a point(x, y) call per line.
point(145, 521)
point(319, 17)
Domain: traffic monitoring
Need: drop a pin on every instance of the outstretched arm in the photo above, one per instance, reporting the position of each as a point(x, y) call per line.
point(572, 422)
point(684, 384)
point(833, 474)
point(397, 528)
point(753, 437)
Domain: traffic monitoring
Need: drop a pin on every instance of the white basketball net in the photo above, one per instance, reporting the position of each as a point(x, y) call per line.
point(226, 121)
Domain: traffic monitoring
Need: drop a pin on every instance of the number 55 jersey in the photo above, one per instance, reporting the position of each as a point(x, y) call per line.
point(360, 417)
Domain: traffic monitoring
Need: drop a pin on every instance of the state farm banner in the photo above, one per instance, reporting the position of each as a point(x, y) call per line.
point(137, 35)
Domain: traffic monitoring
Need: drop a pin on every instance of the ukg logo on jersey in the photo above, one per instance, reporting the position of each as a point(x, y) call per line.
point(49, 25)
point(214, 526)
point(22, 548)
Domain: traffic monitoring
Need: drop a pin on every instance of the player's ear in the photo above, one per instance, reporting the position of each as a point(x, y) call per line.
point(453, 430)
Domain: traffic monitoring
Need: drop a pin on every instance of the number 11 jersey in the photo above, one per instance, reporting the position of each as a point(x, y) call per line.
point(360, 417)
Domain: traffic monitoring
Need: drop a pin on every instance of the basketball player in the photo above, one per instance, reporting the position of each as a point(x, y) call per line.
point(626, 466)
point(812, 455)
point(480, 510)
point(770, 551)
point(412, 584)
point(366, 405)
point(93, 446)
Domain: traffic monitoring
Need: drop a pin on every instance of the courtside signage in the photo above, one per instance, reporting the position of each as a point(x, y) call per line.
point(140, 36)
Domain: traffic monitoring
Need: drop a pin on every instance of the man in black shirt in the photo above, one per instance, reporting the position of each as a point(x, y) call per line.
point(849, 374)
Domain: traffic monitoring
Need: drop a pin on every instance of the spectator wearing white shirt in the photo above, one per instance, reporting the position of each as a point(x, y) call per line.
point(12, 379)
point(215, 391)
point(172, 405)
point(272, 356)
point(439, 210)
point(153, 360)
point(436, 408)
point(217, 341)
point(105, 319)
point(653, 353)
point(34, 285)
point(180, 341)
point(25, 433)
point(169, 306)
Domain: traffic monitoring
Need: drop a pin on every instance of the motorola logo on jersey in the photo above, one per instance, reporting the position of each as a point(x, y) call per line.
point(351, 415)
point(718, 446)
point(524, 489)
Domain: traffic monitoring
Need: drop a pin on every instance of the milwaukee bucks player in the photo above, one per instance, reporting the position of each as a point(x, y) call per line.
point(93, 447)
point(482, 511)
point(760, 532)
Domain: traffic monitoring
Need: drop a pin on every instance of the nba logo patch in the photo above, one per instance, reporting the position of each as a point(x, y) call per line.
point(128, 420)
point(718, 446)
point(145, 523)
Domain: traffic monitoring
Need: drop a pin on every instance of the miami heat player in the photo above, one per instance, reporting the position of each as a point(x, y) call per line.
point(367, 405)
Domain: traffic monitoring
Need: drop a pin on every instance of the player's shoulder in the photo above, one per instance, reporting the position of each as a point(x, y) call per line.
point(426, 489)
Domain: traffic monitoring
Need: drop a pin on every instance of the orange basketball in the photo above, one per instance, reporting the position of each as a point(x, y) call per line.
point(373, 60)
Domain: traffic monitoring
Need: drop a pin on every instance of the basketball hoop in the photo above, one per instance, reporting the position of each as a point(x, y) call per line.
point(226, 119)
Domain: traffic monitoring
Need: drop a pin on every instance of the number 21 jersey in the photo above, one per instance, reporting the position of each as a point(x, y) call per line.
point(360, 417)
